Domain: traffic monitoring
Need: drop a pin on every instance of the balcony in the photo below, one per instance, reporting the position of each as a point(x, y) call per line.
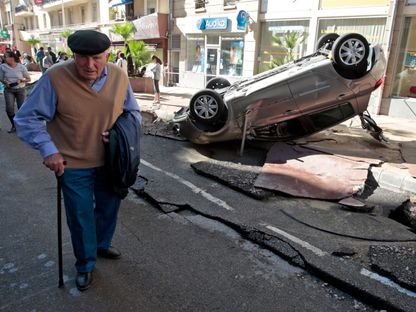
point(49, 5)
point(23, 10)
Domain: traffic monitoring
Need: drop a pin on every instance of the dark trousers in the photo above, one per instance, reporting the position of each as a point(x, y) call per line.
point(91, 210)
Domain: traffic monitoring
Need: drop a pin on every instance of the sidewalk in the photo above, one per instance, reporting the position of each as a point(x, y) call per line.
point(397, 171)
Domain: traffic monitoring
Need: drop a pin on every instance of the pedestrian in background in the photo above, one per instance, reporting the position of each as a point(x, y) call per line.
point(52, 54)
point(66, 117)
point(14, 77)
point(156, 69)
point(47, 61)
point(122, 62)
point(62, 57)
point(39, 58)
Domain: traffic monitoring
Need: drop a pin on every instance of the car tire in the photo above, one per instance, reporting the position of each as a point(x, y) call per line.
point(326, 41)
point(350, 52)
point(206, 106)
point(218, 83)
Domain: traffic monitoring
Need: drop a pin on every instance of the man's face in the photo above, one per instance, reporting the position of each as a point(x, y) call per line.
point(90, 67)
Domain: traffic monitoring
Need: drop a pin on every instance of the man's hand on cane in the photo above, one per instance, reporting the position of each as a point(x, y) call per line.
point(56, 163)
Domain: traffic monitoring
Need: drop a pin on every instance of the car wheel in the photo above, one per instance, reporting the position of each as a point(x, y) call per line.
point(218, 83)
point(326, 41)
point(206, 106)
point(350, 52)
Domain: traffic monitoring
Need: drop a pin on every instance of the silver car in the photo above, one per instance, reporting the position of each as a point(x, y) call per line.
point(296, 99)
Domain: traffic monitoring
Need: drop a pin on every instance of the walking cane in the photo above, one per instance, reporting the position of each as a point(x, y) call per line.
point(59, 212)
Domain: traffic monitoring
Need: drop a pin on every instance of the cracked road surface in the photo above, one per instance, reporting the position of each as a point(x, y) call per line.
point(308, 233)
point(172, 261)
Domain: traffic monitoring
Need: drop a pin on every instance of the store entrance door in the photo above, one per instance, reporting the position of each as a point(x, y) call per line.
point(212, 61)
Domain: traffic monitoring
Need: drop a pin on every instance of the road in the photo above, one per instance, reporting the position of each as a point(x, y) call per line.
point(174, 258)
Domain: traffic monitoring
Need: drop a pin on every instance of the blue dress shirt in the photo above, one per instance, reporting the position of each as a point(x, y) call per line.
point(40, 107)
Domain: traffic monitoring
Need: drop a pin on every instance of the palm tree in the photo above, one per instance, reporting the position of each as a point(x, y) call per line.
point(138, 51)
point(288, 43)
point(33, 42)
point(65, 34)
point(125, 30)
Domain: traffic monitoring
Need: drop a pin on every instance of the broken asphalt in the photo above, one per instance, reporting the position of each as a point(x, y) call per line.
point(362, 251)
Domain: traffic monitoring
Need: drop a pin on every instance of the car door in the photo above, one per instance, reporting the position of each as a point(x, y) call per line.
point(318, 89)
point(270, 104)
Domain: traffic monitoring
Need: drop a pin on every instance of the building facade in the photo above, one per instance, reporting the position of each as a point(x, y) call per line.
point(399, 89)
point(49, 20)
point(198, 39)
point(210, 40)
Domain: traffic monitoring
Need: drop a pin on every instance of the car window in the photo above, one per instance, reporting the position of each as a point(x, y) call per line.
point(332, 116)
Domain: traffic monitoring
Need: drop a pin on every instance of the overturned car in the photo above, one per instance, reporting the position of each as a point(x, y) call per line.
point(293, 100)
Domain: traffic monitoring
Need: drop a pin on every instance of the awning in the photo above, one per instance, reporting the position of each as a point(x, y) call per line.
point(114, 3)
point(152, 26)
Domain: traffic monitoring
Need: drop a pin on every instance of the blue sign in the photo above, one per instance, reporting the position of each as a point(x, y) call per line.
point(242, 18)
point(214, 23)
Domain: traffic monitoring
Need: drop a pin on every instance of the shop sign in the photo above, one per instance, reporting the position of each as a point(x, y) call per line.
point(242, 19)
point(38, 2)
point(213, 23)
point(4, 34)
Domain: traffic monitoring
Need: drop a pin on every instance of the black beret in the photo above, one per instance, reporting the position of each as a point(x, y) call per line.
point(88, 42)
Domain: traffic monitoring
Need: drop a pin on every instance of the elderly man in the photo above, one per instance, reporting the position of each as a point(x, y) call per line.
point(66, 117)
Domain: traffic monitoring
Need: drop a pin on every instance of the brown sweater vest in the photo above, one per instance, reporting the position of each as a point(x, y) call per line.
point(82, 114)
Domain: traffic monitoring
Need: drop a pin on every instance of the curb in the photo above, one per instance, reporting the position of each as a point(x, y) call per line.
point(394, 180)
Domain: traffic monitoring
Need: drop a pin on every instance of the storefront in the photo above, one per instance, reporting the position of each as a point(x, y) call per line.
point(282, 42)
point(405, 81)
point(290, 31)
point(215, 46)
point(399, 97)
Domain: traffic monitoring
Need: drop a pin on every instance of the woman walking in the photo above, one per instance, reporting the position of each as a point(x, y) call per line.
point(156, 70)
point(122, 62)
point(14, 77)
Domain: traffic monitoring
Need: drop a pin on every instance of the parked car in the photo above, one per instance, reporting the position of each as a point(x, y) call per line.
point(293, 100)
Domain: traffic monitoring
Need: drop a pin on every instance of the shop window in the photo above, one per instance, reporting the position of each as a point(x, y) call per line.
point(405, 78)
point(195, 52)
point(371, 28)
point(231, 56)
point(281, 42)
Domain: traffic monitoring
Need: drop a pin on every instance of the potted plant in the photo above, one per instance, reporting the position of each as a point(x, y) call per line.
point(140, 56)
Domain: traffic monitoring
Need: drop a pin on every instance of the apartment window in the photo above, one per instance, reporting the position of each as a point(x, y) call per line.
point(199, 4)
point(9, 18)
point(230, 2)
point(82, 15)
point(94, 12)
point(70, 16)
point(411, 2)
point(176, 42)
point(405, 78)
point(44, 21)
point(60, 19)
point(151, 6)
